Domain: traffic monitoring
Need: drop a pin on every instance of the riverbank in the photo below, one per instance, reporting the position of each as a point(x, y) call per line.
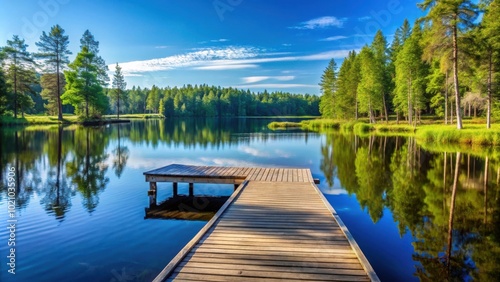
point(72, 119)
point(473, 133)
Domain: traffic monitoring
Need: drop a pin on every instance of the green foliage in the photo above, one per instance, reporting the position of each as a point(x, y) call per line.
point(83, 89)
point(21, 75)
point(328, 85)
point(50, 92)
point(370, 88)
point(347, 86)
point(118, 88)
point(54, 51)
point(410, 77)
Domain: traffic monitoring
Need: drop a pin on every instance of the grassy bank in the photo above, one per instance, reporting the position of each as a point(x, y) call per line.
point(67, 119)
point(472, 133)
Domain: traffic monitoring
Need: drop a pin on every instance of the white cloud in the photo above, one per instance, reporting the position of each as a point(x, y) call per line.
point(254, 79)
point(162, 47)
point(220, 40)
point(227, 67)
point(322, 22)
point(334, 38)
point(227, 58)
point(275, 85)
point(253, 152)
point(190, 59)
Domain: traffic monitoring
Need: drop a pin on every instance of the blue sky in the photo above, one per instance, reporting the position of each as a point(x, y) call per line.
point(249, 44)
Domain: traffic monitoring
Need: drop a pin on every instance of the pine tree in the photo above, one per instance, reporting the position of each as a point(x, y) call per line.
point(400, 37)
point(52, 86)
point(118, 92)
point(347, 84)
point(370, 88)
point(53, 49)
point(92, 45)
point(489, 43)
point(3, 85)
point(411, 75)
point(83, 88)
point(328, 85)
point(380, 53)
point(449, 17)
point(20, 73)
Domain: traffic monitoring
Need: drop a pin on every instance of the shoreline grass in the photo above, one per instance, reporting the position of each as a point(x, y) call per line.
point(67, 119)
point(473, 133)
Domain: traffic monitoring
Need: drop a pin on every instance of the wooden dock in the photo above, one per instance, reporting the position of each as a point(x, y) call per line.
point(276, 226)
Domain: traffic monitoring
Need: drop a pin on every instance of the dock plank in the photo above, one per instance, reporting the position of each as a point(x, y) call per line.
point(276, 226)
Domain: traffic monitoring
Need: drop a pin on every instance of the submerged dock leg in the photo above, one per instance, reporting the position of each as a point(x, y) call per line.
point(191, 189)
point(176, 190)
point(153, 192)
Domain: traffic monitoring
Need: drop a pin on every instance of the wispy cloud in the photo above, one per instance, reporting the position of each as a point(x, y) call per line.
point(322, 22)
point(254, 79)
point(219, 40)
point(227, 67)
point(363, 19)
point(275, 85)
point(216, 59)
point(162, 47)
point(190, 59)
point(334, 38)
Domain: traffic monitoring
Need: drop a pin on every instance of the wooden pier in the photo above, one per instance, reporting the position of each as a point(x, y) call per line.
point(277, 225)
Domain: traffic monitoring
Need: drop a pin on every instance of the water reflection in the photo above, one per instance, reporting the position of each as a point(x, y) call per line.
point(448, 201)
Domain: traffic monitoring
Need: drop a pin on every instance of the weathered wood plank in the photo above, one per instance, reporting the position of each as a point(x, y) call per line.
point(275, 268)
point(279, 227)
point(269, 274)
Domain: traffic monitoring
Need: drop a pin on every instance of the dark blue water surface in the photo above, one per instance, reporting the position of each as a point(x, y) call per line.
point(81, 197)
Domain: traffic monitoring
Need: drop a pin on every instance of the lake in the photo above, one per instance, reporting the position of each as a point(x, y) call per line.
point(80, 197)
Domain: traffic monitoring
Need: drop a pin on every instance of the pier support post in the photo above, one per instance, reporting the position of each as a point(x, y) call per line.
point(176, 190)
point(191, 189)
point(153, 193)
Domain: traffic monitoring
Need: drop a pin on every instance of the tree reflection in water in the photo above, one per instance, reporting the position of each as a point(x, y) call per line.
point(447, 200)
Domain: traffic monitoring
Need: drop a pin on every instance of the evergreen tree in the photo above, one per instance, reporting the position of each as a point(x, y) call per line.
point(153, 100)
point(451, 17)
point(92, 45)
point(380, 53)
point(53, 49)
point(83, 88)
point(118, 92)
point(328, 85)
point(489, 37)
point(410, 76)
point(52, 85)
point(347, 84)
point(370, 88)
point(400, 37)
point(20, 73)
point(3, 86)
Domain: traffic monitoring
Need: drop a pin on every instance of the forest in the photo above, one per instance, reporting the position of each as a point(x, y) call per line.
point(46, 82)
point(446, 66)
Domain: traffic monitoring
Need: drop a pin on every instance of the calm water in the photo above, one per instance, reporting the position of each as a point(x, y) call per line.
point(81, 195)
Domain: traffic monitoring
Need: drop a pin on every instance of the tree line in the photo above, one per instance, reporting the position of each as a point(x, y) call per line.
point(447, 65)
point(47, 82)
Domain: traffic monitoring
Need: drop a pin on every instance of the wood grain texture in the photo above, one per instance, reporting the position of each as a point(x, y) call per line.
point(277, 226)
